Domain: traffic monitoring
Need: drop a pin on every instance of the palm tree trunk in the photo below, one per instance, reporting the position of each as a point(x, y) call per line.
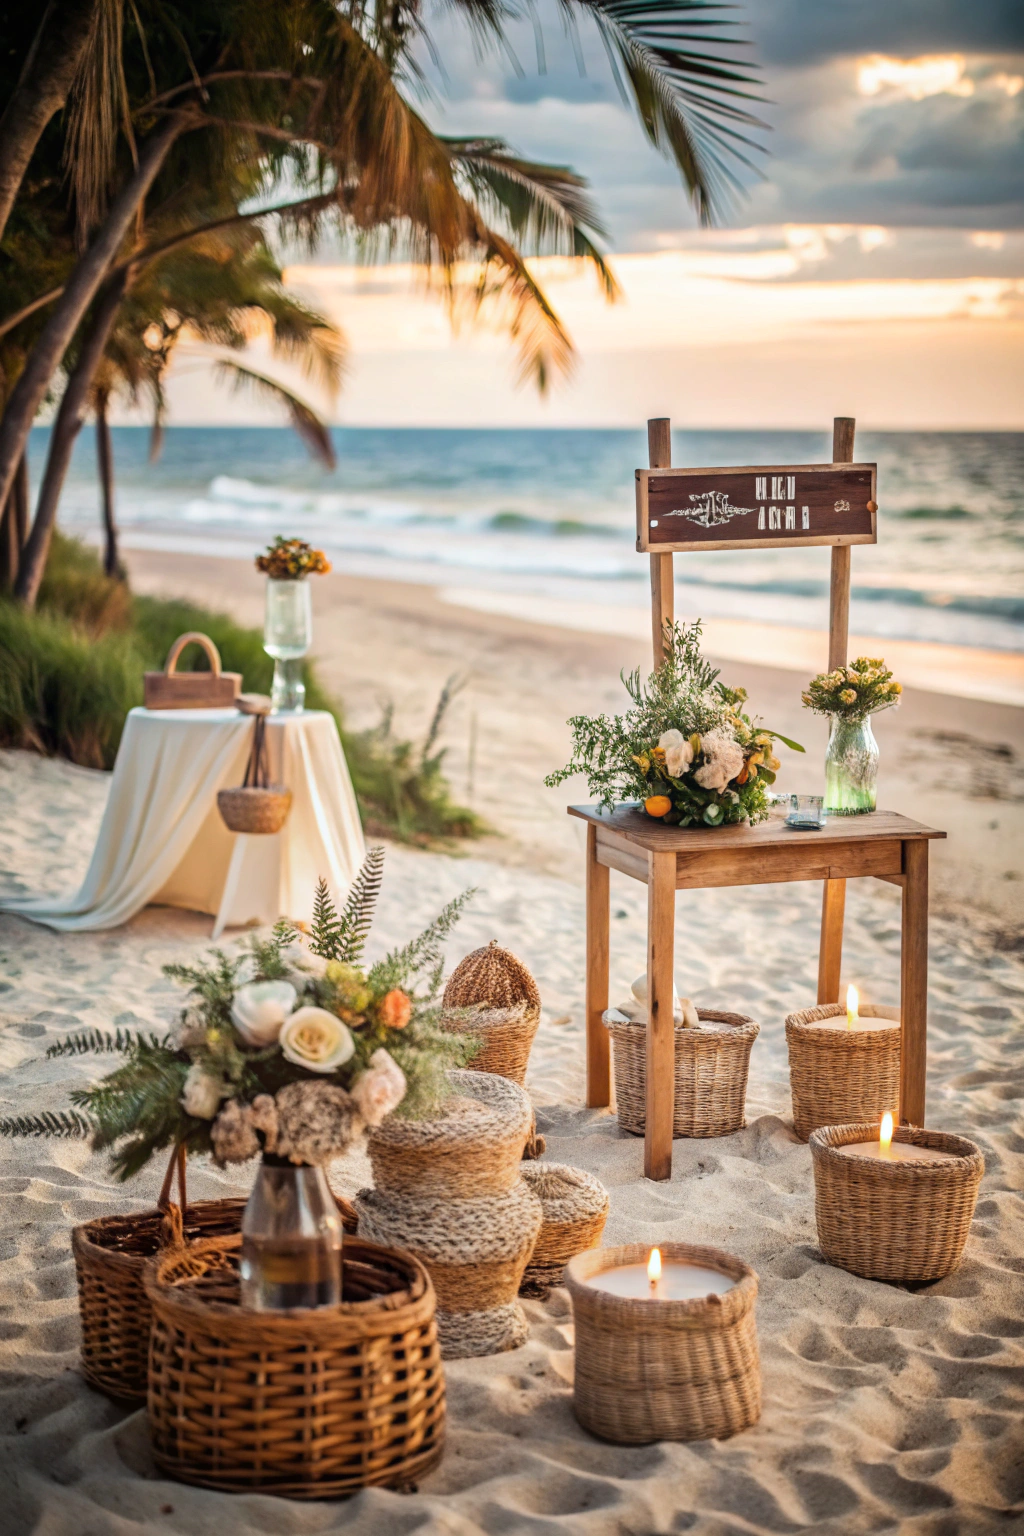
point(105, 461)
point(14, 528)
point(44, 359)
point(46, 78)
point(66, 428)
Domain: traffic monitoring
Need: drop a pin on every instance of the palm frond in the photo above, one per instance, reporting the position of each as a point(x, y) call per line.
point(98, 108)
point(90, 1041)
point(314, 432)
point(62, 1123)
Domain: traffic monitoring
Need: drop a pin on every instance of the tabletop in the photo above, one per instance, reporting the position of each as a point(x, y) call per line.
point(635, 826)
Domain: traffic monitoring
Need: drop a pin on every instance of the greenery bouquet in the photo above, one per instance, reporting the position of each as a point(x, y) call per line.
point(276, 1052)
point(685, 748)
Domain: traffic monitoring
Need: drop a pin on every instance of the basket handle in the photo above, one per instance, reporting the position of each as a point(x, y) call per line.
point(175, 1166)
point(213, 655)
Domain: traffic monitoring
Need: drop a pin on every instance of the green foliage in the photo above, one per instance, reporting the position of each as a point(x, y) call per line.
point(863, 688)
point(344, 938)
point(59, 1123)
point(93, 1042)
point(70, 673)
point(422, 959)
point(136, 1109)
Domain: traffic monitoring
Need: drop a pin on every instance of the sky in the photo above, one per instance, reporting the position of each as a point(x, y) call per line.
point(874, 268)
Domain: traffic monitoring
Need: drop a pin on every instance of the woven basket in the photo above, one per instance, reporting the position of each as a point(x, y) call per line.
point(249, 809)
point(711, 1068)
point(491, 975)
point(575, 1206)
point(110, 1256)
point(505, 1035)
point(664, 1370)
point(902, 1222)
point(474, 1148)
point(839, 1075)
point(305, 1404)
point(475, 1251)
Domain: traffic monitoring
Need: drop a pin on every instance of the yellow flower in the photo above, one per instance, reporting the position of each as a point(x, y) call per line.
point(848, 696)
point(643, 763)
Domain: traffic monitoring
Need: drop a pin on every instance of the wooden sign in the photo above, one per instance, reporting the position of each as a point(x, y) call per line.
point(755, 508)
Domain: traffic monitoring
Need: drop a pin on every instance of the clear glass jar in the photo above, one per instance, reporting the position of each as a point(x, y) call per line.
point(287, 636)
point(291, 1240)
point(851, 768)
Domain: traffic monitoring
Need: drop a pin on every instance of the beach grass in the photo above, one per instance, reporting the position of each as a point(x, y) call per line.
point(71, 671)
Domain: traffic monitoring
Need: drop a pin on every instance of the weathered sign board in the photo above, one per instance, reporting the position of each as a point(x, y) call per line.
point(755, 508)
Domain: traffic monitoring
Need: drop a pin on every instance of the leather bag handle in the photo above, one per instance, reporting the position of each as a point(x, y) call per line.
point(213, 655)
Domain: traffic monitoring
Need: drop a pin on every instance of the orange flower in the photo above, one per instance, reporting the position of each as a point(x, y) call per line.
point(394, 1009)
point(658, 805)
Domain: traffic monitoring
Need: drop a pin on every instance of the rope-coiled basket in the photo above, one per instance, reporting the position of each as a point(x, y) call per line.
point(664, 1370)
point(473, 1147)
point(575, 1207)
point(504, 995)
point(475, 1251)
point(888, 1220)
point(839, 1075)
point(110, 1256)
point(711, 1067)
point(304, 1404)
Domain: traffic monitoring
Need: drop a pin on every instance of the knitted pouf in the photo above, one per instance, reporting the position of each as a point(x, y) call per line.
point(473, 1147)
point(575, 1206)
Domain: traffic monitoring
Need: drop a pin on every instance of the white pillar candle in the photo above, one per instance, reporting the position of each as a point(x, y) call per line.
point(899, 1152)
point(678, 1282)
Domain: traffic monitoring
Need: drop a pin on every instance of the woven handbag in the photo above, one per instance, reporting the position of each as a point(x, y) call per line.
point(255, 806)
point(171, 689)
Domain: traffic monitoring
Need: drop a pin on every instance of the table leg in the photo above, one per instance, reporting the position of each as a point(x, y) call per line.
point(598, 1084)
point(914, 983)
point(661, 1065)
point(830, 945)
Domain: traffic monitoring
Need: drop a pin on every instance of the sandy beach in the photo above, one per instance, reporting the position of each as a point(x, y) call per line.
point(885, 1410)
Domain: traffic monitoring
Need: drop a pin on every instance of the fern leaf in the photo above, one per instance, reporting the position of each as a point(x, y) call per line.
point(357, 917)
point(88, 1041)
point(325, 928)
point(63, 1122)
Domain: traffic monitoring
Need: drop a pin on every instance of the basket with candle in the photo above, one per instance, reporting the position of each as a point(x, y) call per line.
point(894, 1204)
point(712, 1060)
point(844, 1063)
point(666, 1343)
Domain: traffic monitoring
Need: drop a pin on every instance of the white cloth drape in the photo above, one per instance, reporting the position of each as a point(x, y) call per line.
point(162, 839)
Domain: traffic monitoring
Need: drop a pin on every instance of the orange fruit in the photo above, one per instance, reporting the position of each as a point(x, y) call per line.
point(658, 805)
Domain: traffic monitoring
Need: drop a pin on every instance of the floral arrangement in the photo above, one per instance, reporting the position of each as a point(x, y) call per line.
point(685, 748)
point(275, 1053)
point(291, 560)
point(863, 688)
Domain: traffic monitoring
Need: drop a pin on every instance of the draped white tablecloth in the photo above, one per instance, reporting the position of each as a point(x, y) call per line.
point(162, 840)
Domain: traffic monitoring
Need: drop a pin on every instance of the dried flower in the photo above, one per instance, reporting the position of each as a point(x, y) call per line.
point(380, 1089)
point(291, 560)
point(724, 760)
point(394, 1009)
point(233, 1134)
point(315, 1122)
point(202, 1093)
point(678, 753)
point(260, 1008)
point(315, 1039)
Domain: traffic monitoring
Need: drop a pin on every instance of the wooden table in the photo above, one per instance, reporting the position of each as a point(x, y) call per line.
point(669, 859)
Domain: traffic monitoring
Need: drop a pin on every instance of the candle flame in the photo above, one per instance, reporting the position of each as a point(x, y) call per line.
point(654, 1266)
point(852, 1004)
point(885, 1135)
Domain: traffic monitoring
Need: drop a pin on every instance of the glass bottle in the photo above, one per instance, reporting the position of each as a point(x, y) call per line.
point(851, 768)
point(287, 636)
point(291, 1239)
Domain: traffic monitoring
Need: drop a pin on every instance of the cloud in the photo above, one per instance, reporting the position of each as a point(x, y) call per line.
point(794, 32)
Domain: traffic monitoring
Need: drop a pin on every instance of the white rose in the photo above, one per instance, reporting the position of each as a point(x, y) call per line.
point(669, 739)
point(678, 759)
point(202, 1093)
point(380, 1089)
point(260, 1008)
point(315, 1039)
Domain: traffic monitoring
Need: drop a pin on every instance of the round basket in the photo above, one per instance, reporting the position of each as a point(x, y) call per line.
point(839, 1075)
point(575, 1207)
point(898, 1221)
point(303, 1404)
point(254, 810)
point(110, 1256)
point(664, 1370)
point(473, 1148)
point(491, 975)
point(711, 1066)
point(505, 1035)
point(475, 1251)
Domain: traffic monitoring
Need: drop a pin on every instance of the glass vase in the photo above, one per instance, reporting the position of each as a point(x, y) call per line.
point(851, 768)
point(287, 636)
point(291, 1240)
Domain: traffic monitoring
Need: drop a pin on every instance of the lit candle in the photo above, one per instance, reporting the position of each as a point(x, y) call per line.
point(661, 1280)
point(852, 1001)
point(885, 1136)
point(891, 1151)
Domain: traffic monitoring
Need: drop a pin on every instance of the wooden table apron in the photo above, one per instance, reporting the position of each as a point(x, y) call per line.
point(881, 845)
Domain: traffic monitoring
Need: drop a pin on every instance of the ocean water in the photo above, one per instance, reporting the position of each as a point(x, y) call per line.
point(551, 513)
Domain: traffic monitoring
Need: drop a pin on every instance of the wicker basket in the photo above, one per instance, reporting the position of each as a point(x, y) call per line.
point(665, 1370)
point(305, 1404)
point(110, 1256)
point(475, 1250)
point(902, 1222)
point(473, 1149)
point(491, 975)
point(839, 1075)
point(711, 1074)
point(261, 809)
point(575, 1206)
point(505, 1035)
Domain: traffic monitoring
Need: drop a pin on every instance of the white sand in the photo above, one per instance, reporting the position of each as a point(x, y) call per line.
point(884, 1410)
